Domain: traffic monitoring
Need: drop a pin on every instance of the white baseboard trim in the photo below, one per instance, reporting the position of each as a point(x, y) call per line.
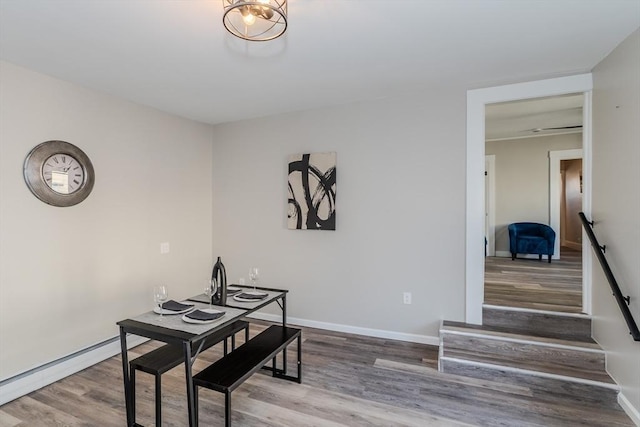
point(376, 333)
point(36, 378)
point(507, 254)
point(631, 411)
point(573, 245)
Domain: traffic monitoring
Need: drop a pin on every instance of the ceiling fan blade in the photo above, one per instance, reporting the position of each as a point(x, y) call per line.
point(564, 127)
point(556, 128)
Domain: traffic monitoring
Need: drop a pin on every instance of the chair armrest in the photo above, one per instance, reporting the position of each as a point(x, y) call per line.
point(513, 234)
point(549, 234)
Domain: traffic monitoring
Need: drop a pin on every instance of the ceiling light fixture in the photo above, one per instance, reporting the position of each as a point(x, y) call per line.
point(259, 20)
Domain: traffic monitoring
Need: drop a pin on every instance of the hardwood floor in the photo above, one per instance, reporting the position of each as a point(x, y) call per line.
point(529, 283)
point(348, 380)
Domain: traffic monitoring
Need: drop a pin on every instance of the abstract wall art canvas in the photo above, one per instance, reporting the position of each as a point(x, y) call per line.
point(312, 191)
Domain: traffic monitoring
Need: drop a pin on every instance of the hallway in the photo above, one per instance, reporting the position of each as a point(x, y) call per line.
point(528, 283)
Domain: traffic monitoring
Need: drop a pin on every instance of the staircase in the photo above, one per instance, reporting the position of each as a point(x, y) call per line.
point(541, 350)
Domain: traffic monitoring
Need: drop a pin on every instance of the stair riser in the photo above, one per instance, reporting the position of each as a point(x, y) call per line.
point(540, 387)
point(517, 353)
point(542, 324)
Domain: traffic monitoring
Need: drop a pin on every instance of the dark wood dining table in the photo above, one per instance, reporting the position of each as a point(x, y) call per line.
point(171, 329)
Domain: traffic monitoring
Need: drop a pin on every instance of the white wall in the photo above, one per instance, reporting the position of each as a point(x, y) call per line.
point(522, 180)
point(616, 203)
point(400, 211)
point(68, 274)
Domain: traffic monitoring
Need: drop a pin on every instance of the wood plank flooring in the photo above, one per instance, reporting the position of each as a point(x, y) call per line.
point(348, 380)
point(529, 283)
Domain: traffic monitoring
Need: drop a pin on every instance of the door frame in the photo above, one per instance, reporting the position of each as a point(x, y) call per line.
point(490, 169)
point(555, 190)
point(476, 101)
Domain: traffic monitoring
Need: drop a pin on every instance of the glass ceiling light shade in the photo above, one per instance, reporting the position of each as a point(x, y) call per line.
point(259, 20)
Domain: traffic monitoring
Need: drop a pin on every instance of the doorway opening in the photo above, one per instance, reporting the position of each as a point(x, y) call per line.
point(477, 100)
point(536, 150)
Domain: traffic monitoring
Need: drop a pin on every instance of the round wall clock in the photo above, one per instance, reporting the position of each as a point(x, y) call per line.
point(59, 173)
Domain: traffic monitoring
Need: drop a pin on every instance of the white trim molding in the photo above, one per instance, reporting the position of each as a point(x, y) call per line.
point(587, 186)
point(376, 333)
point(477, 99)
point(490, 165)
point(629, 409)
point(36, 378)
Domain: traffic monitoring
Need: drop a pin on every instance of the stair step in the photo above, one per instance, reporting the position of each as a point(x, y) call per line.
point(542, 366)
point(571, 326)
point(536, 355)
point(588, 391)
point(462, 328)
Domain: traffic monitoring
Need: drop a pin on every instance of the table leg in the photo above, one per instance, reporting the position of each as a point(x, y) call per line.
point(284, 324)
point(193, 415)
point(126, 377)
point(284, 310)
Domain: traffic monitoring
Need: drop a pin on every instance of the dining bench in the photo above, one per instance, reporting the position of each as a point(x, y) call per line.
point(229, 372)
point(167, 357)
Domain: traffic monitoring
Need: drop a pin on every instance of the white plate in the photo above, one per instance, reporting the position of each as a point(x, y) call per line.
point(164, 311)
point(239, 298)
point(202, 322)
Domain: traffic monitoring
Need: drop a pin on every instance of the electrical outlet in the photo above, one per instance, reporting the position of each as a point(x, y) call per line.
point(406, 297)
point(164, 248)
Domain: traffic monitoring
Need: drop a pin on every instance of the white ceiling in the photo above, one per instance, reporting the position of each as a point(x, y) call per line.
point(176, 56)
point(534, 117)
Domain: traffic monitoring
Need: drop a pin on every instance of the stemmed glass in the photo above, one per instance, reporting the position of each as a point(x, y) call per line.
point(253, 275)
point(210, 290)
point(160, 295)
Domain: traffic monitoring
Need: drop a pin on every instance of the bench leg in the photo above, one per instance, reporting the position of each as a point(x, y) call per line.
point(246, 334)
point(227, 409)
point(284, 361)
point(273, 369)
point(226, 347)
point(233, 342)
point(158, 400)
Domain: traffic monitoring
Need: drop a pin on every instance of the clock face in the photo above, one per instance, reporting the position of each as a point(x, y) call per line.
point(62, 173)
point(59, 173)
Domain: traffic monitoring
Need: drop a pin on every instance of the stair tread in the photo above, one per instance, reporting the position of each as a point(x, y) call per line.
point(532, 366)
point(495, 331)
point(589, 392)
point(531, 310)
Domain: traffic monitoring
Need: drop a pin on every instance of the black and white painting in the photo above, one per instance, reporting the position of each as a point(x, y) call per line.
point(312, 191)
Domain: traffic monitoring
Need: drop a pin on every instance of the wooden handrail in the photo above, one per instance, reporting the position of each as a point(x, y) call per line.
point(623, 302)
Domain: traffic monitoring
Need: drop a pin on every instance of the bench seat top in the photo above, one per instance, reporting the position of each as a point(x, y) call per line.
point(228, 373)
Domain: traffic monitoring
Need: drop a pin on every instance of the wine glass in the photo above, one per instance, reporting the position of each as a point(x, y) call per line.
point(210, 290)
point(160, 295)
point(254, 275)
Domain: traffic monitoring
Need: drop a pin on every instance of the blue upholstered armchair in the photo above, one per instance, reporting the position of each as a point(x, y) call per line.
point(531, 238)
